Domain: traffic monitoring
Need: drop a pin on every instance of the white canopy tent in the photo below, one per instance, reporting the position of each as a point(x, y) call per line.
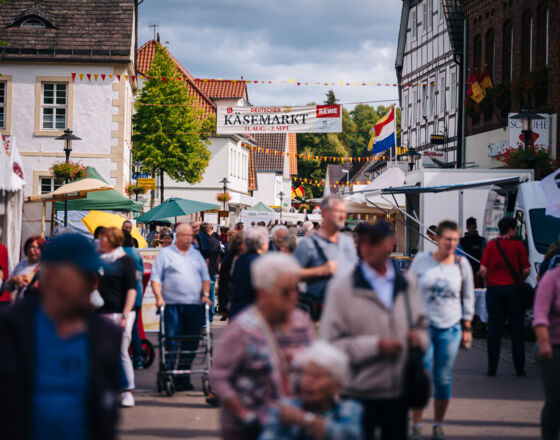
point(392, 178)
point(11, 202)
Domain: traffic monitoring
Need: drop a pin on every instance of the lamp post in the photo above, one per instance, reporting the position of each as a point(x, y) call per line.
point(412, 155)
point(281, 195)
point(67, 137)
point(526, 116)
point(137, 167)
point(224, 182)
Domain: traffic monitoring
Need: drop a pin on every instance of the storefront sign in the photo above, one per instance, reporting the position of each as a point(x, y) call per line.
point(428, 155)
point(312, 119)
point(541, 131)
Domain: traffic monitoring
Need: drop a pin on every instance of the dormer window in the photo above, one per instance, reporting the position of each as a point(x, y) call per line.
point(33, 23)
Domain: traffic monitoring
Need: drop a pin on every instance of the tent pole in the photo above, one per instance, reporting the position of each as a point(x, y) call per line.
point(52, 217)
point(43, 218)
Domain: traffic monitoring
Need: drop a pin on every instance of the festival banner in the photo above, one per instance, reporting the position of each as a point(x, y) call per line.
point(310, 119)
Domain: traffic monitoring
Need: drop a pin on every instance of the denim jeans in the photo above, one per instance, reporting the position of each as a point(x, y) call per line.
point(135, 342)
point(440, 358)
point(182, 320)
point(550, 421)
point(502, 301)
point(213, 280)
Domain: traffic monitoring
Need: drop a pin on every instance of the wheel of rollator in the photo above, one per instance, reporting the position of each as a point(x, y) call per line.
point(205, 385)
point(169, 387)
point(148, 353)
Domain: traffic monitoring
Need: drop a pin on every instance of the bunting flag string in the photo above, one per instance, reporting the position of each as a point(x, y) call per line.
point(329, 159)
point(313, 182)
point(96, 77)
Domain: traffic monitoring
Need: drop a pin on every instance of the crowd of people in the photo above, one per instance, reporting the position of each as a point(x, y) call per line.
point(327, 337)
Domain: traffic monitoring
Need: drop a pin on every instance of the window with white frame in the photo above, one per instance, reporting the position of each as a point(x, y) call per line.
point(442, 93)
point(54, 106)
point(414, 23)
point(424, 110)
point(50, 184)
point(453, 92)
point(404, 116)
point(415, 107)
point(432, 93)
point(3, 104)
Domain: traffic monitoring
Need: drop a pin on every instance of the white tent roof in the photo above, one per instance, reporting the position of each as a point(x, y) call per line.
point(392, 178)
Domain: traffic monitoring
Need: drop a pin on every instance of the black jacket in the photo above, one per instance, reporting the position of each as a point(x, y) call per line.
point(16, 373)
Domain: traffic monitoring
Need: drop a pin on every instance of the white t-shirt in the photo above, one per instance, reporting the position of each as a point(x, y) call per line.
point(440, 289)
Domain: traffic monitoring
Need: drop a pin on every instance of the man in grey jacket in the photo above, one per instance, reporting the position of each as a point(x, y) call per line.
point(366, 316)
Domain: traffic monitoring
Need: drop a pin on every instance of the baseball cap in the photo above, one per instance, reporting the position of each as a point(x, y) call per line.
point(73, 249)
point(375, 232)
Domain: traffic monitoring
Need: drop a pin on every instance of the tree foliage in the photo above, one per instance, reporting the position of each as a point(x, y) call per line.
point(172, 138)
point(352, 141)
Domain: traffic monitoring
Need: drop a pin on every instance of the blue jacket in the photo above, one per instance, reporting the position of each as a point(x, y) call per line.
point(135, 255)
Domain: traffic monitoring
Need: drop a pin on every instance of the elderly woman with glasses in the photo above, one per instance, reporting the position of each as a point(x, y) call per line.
point(317, 413)
point(166, 236)
point(252, 367)
point(256, 242)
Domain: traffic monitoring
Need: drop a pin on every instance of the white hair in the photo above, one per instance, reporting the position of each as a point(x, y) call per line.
point(266, 270)
point(327, 356)
point(255, 238)
point(276, 229)
point(307, 226)
point(329, 201)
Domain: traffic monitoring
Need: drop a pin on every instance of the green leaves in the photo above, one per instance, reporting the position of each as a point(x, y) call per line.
point(170, 131)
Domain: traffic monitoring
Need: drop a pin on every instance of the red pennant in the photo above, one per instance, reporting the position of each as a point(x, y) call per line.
point(73, 77)
point(149, 77)
point(118, 77)
point(298, 83)
point(103, 76)
point(88, 76)
point(133, 78)
point(163, 79)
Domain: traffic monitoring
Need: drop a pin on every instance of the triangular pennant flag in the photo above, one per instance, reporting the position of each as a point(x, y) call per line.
point(103, 77)
point(73, 77)
point(95, 76)
point(110, 76)
point(133, 78)
point(163, 79)
point(126, 77)
point(88, 76)
point(118, 77)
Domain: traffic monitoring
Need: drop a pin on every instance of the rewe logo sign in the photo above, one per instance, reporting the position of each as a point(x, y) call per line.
point(328, 111)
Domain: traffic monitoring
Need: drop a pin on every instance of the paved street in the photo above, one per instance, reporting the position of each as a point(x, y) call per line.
point(503, 407)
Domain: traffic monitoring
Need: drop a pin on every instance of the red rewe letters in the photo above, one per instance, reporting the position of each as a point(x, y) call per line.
point(328, 111)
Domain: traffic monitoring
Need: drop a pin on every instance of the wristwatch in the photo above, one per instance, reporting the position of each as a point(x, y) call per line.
point(206, 295)
point(308, 419)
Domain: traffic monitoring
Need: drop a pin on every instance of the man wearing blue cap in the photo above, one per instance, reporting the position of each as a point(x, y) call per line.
point(59, 369)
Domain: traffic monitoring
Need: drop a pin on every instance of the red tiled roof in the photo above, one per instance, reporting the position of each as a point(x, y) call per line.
point(145, 56)
point(292, 149)
point(223, 89)
point(266, 161)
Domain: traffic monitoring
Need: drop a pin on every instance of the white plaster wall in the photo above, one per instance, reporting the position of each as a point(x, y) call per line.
point(287, 189)
point(92, 118)
point(269, 184)
point(229, 102)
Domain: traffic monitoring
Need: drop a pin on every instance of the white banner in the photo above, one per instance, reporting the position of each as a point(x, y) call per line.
point(312, 119)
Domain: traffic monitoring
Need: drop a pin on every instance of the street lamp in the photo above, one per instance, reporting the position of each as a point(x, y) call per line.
point(281, 195)
point(412, 156)
point(137, 167)
point(224, 182)
point(67, 137)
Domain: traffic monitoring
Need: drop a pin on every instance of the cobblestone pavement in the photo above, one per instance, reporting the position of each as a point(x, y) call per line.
point(503, 407)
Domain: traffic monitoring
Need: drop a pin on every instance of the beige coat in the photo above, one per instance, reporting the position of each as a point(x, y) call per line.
point(355, 320)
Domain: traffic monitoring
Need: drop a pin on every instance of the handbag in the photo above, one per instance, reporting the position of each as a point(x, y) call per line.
point(416, 380)
point(309, 302)
point(525, 289)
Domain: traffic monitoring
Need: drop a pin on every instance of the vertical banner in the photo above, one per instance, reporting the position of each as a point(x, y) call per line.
point(311, 119)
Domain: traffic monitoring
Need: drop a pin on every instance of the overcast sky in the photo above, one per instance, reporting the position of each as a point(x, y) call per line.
point(308, 40)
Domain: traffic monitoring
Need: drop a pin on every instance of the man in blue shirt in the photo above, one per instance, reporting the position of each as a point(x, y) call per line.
point(59, 369)
point(181, 283)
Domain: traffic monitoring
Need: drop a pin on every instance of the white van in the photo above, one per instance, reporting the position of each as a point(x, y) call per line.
point(527, 204)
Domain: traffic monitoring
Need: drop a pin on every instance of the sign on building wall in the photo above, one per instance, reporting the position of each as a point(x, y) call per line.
point(428, 155)
point(311, 119)
point(541, 131)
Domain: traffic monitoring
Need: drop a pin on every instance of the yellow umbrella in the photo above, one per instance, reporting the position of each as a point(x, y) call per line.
point(99, 218)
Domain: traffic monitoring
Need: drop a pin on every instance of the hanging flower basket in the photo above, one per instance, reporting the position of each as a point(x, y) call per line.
point(132, 188)
point(531, 157)
point(70, 170)
point(223, 197)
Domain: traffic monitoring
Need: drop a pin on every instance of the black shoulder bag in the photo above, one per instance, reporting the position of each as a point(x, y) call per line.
point(311, 303)
point(525, 289)
point(416, 380)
